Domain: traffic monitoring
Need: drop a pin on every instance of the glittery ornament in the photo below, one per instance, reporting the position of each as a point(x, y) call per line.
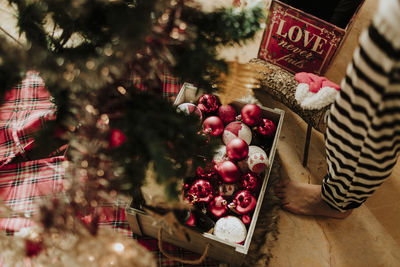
point(227, 113)
point(266, 128)
point(251, 114)
point(257, 160)
point(251, 182)
point(237, 129)
point(200, 191)
point(231, 229)
point(227, 190)
point(207, 173)
point(237, 149)
point(189, 108)
point(117, 138)
point(208, 103)
point(244, 202)
point(213, 125)
point(218, 206)
point(229, 171)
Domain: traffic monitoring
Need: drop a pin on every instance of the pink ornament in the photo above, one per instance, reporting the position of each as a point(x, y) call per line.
point(213, 125)
point(237, 149)
point(192, 220)
point(251, 182)
point(189, 108)
point(227, 113)
point(237, 129)
point(257, 160)
point(200, 191)
point(244, 202)
point(246, 219)
point(251, 114)
point(208, 103)
point(266, 128)
point(218, 206)
point(227, 190)
point(229, 171)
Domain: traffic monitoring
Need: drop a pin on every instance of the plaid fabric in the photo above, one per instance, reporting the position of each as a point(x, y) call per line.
point(24, 185)
point(22, 112)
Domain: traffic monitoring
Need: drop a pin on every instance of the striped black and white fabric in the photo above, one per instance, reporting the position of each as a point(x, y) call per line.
point(363, 135)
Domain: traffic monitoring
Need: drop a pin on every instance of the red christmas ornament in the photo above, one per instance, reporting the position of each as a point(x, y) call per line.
point(244, 202)
point(251, 182)
point(266, 128)
point(237, 129)
point(227, 113)
point(246, 219)
point(117, 138)
point(251, 114)
point(192, 220)
point(213, 125)
point(237, 149)
point(200, 191)
point(208, 103)
point(33, 248)
point(227, 190)
point(206, 173)
point(218, 206)
point(229, 171)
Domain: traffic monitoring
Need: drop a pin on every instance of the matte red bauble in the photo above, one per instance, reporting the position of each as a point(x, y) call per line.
point(208, 103)
point(229, 171)
point(213, 125)
point(251, 114)
point(251, 182)
point(200, 191)
point(237, 149)
point(245, 202)
point(218, 206)
point(227, 113)
point(266, 128)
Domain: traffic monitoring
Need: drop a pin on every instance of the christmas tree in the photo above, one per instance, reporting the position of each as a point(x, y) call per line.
point(104, 62)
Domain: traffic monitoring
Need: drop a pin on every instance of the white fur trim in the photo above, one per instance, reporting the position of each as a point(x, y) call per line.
point(310, 100)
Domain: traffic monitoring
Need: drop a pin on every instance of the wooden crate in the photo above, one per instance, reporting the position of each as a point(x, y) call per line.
point(234, 254)
point(298, 41)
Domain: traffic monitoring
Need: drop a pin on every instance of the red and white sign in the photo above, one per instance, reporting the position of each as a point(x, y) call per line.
point(297, 41)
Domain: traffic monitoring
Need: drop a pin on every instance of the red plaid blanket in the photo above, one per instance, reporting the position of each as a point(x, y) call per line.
point(24, 185)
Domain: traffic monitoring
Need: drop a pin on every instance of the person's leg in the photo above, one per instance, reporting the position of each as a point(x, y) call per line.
point(305, 199)
point(363, 134)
